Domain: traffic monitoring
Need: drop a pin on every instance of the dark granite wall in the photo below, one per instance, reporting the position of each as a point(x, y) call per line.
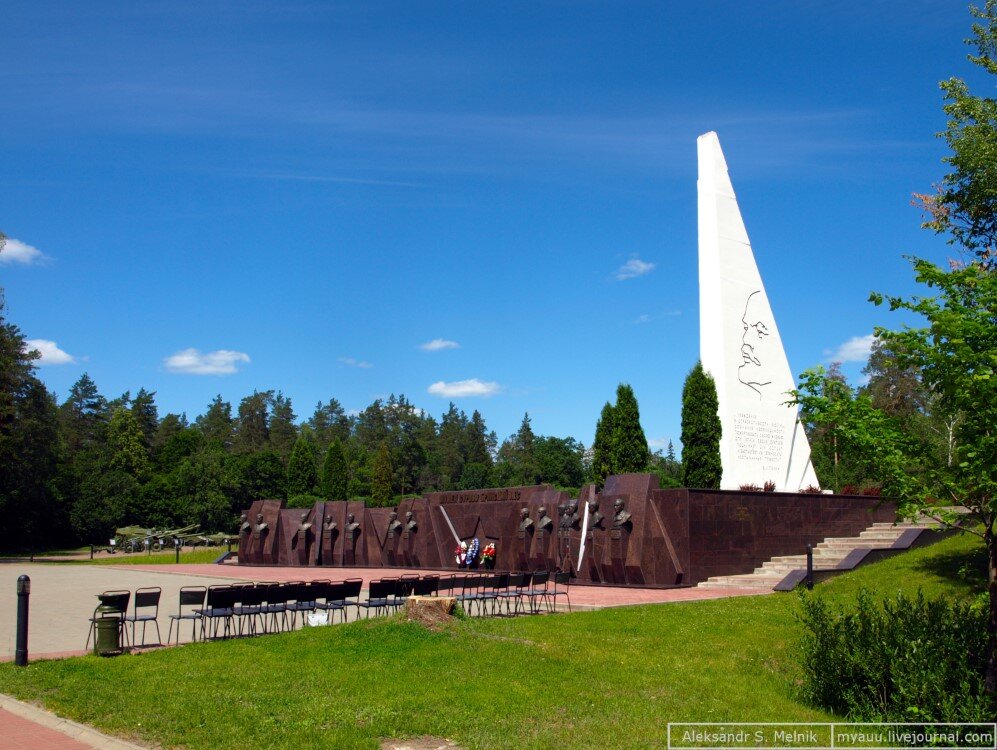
point(660, 538)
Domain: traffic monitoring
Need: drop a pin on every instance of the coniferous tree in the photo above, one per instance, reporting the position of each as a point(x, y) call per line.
point(602, 447)
point(216, 423)
point(630, 452)
point(335, 473)
point(302, 467)
point(143, 407)
point(252, 430)
point(701, 430)
point(282, 430)
point(381, 492)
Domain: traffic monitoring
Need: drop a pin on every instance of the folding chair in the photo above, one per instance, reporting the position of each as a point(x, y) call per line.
point(562, 582)
point(193, 598)
point(218, 606)
point(249, 607)
point(379, 595)
point(425, 586)
point(469, 594)
point(146, 600)
point(537, 592)
point(514, 589)
point(304, 602)
point(493, 586)
point(332, 598)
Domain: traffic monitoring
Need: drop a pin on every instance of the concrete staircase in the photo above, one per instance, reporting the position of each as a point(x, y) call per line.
point(827, 555)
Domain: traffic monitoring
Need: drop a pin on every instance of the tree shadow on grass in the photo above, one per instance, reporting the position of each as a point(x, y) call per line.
point(966, 570)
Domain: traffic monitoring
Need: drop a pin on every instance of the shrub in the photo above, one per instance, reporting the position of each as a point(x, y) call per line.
point(812, 489)
point(750, 488)
point(769, 486)
point(907, 660)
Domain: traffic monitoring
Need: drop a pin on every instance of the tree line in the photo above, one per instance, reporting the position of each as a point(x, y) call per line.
point(76, 470)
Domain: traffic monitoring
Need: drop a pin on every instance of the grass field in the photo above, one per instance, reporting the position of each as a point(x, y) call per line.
point(200, 555)
point(607, 679)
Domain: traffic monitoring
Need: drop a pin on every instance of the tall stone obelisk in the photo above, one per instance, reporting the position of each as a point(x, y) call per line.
point(740, 346)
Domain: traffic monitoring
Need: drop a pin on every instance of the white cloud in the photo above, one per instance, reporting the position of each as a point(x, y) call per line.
point(15, 251)
point(437, 344)
point(658, 443)
point(633, 268)
point(645, 318)
point(193, 362)
point(464, 388)
point(351, 362)
point(51, 353)
point(856, 349)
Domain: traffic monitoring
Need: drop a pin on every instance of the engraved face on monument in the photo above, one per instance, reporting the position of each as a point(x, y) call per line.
point(757, 345)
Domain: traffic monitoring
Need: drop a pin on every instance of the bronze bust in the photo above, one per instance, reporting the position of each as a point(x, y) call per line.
point(525, 523)
point(394, 525)
point(330, 525)
point(544, 523)
point(261, 525)
point(622, 517)
point(245, 527)
point(566, 520)
point(410, 522)
point(352, 526)
point(595, 517)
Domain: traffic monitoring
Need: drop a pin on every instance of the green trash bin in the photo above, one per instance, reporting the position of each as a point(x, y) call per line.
point(107, 640)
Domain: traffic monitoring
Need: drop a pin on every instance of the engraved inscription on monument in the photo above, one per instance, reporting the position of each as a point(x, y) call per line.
point(759, 441)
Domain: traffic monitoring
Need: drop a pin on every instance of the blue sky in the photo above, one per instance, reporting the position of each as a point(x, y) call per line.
point(217, 197)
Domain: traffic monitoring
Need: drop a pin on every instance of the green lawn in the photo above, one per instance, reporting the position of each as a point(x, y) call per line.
point(199, 555)
point(607, 679)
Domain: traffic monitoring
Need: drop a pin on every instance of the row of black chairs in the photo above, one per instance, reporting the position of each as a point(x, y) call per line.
point(243, 609)
point(478, 593)
point(255, 608)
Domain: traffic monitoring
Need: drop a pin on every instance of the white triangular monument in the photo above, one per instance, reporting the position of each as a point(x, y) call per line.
point(740, 347)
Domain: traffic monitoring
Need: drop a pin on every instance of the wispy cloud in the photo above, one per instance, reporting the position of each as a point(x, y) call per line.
point(15, 251)
point(193, 362)
point(658, 443)
point(856, 349)
point(351, 362)
point(438, 344)
point(464, 388)
point(51, 354)
point(645, 318)
point(633, 268)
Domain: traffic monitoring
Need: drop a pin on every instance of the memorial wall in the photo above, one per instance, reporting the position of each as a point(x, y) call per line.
point(628, 533)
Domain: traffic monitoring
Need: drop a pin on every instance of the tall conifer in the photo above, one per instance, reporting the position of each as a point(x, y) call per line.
point(630, 453)
point(701, 430)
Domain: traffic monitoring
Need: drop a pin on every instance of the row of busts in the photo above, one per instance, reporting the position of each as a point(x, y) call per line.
point(568, 512)
point(570, 518)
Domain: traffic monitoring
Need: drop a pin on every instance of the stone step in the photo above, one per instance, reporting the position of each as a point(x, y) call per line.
point(716, 585)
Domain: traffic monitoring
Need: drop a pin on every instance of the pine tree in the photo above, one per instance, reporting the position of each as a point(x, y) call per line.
point(283, 431)
point(302, 467)
point(701, 430)
point(602, 447)
point(146, 414)
point(381, 493)
point(335, 473)
point(216, 423)
point(252, 430)
point(630, 452)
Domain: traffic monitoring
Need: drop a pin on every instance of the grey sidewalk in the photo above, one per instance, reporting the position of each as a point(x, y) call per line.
point(63, 598)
